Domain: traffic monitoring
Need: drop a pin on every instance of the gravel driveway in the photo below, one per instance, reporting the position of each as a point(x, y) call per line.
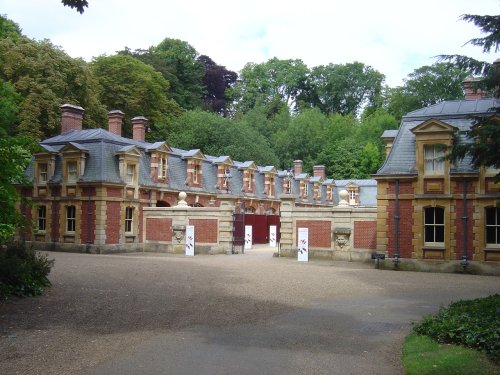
point(239, 314)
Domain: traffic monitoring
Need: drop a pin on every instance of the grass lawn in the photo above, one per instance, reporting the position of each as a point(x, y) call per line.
point(424, 356)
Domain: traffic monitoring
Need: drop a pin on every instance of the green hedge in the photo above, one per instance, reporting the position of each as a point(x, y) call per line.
point(23, 271)
point(474, 323)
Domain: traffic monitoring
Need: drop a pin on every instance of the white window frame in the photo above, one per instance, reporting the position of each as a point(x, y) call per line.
point(162, 167)
point(70, 219)
point(129, 219)
point(434, 225)
point(492, 226)
point(43, 173)
point(306, 189)
point(434, 159)
point(130, 174)
point(196, 171)
point(72, 171)
point(42, 218)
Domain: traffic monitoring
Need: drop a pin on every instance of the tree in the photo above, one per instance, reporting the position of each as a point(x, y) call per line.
point(9, 29)
point(133, 87)
point(427, 85)
point(217, 80)
point(15, 153)
point(216, 135)
point(46, 77)
point(344, 89)
point(10, 102)
point(273, 80)
point(80, 5)
point(484, 136)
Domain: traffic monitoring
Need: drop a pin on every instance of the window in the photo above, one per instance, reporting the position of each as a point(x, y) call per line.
point(249, 210)
point(43, 174)
point(196, 171)
point(42, 217)
point(250, 180)
point(129, 219)
point(130, 174)
point(434, 159)
point(306, 189)
point(162, 168)
point(271, 186)
point(493, 226)
point(72, 174)
point(289, 186)
point(434, 225)
point(70, 218)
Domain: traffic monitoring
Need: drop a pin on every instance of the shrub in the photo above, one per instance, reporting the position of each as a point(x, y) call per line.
point(474, 323)
point(23, 271)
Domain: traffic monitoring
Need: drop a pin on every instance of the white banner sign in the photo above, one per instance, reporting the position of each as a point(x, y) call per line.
point(248, 236)
point(272, 235)
point(303, 245)
point(190, 240)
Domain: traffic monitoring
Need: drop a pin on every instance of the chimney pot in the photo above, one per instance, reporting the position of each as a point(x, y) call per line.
point(297, 167)
point(115, 121)
point(319, 171)
point(139, 125)
point(71, 117)
point(471, 89)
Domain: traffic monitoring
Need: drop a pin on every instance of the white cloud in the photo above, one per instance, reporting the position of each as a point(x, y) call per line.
point(394, 37)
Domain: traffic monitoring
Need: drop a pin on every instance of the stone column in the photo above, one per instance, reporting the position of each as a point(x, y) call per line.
point(287, 233)
point(226, 210)
point(179, 221)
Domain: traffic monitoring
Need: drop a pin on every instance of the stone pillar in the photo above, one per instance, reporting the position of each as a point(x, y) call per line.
point(226, 210)
point(179, 221)
point(287, 233)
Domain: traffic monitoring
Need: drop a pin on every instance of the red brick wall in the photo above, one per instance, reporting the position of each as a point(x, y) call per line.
point(405, 187)
point(140, 226)
point(405, 228)
point(320, 232)
point(365, 235)
point(84, 220)
point(458, 187)
point(114, 192)
point(205, 230)
point(459, 234)
point(113, 222)
point(158, 229)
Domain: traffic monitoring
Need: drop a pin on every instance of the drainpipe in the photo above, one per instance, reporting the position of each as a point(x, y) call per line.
point(396, 227)
point(54, 218)
point(465, 219)
point(89, 218)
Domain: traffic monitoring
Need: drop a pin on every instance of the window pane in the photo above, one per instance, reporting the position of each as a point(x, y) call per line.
point(498, 216)
point(429, 233)
point(490, 234)
point(490, 216)
point(439, 215)
point(439, 234)
point(429, 215)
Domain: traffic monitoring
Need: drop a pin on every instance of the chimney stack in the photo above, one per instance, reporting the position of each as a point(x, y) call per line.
point(297, 167)
point(115, 121)
point(471, 89)
point(139, 125)
point(71, 117)
point(319, 171)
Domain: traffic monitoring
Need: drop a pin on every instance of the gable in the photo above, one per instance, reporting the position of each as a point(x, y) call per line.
point(433, 126)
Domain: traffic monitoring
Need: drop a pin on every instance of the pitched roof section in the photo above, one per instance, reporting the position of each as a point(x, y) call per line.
point(454, 114)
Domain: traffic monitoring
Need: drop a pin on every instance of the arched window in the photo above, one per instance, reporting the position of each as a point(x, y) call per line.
point(162, 204)
point(249, 210)
point(434, 226)
point(270, 211)
point(492, 226)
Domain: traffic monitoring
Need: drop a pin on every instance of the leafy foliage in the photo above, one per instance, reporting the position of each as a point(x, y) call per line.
point(80, 5)
point(9, 29)
point(23, 271)
point(15, 153)
point(474, 323)
point(10, 102)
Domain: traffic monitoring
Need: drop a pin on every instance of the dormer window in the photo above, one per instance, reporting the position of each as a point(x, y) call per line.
point(196, 172)
point(306, 189)
point(162, 167)
point(434, 159)
point(130, 177)
point(72, 172)
point(43, 173)
point(250, 180)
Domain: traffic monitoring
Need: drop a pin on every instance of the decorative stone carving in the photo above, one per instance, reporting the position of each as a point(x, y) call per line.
point(182, 200)
point(179, 232)
point(341, 237)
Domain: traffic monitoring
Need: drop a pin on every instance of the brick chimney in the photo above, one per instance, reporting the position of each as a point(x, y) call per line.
point(297, 167)
point(71, 117)
point(319, 171)
point(139, 125)
point(115, 121)
point(471, 89)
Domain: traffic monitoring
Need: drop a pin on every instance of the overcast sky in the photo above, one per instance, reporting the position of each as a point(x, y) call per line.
point(394, 37)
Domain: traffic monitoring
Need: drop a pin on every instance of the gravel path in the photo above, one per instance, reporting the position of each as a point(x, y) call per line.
point(240, 314)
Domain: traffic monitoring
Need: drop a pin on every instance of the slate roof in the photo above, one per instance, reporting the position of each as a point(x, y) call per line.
point(102, 165)
point(402, 158)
